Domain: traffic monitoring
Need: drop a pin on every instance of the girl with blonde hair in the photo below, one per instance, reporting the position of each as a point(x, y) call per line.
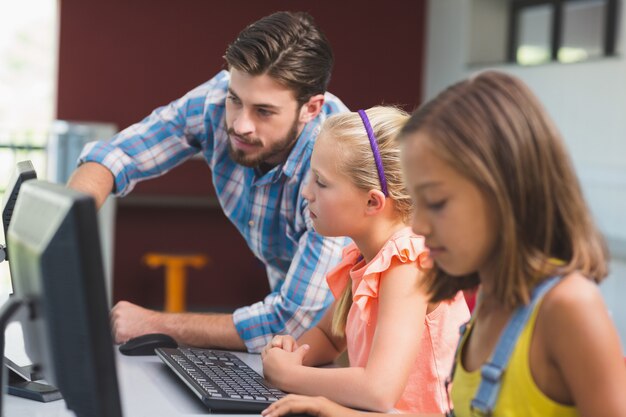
point(399, 344)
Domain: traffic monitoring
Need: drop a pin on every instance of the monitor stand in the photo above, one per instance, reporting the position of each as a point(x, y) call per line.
point(7, 310)
point(22, 383)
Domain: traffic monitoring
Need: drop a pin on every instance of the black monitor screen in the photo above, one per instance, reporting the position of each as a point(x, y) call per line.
point(15, 359)
point(24, 171)
point(56, 263)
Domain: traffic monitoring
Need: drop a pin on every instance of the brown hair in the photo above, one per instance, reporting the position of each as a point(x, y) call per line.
point(287, 46)
point(493, 130)
point(347, 132)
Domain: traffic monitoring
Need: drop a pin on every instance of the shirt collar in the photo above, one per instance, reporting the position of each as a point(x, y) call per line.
point(301, 152)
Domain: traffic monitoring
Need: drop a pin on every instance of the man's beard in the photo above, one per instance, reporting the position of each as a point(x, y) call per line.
point(253, 161)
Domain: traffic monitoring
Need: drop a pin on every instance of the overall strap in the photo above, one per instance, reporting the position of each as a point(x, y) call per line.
point(491, 372)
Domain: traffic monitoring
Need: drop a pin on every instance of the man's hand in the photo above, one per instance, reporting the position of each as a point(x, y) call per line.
point(284, 342)
point(128, 320)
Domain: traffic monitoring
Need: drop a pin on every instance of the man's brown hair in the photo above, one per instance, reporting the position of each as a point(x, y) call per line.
point(287, 46)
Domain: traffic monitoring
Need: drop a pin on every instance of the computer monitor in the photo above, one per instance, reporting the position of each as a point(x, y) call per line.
point(57, 270)
point(24, 171)
point(22, 373)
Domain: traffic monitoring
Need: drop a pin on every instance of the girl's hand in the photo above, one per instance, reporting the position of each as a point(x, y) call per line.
point(284, 342)
point(314, 406)
point(278, 364)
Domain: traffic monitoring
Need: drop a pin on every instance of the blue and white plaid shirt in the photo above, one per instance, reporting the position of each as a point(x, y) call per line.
point(268, 209)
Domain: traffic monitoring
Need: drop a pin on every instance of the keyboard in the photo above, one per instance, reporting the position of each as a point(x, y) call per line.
point(223, 382)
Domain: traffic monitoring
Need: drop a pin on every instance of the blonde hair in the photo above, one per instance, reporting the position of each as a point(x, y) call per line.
point(493, 130)
point(356, 161)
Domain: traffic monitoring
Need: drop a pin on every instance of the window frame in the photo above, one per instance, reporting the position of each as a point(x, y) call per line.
point(556, 32)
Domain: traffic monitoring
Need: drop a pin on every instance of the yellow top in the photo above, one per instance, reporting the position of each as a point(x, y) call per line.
point(519, 395)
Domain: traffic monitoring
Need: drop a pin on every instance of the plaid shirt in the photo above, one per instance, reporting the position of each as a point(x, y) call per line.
point(268, 209)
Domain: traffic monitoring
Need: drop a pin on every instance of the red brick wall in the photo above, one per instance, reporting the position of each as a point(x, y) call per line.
point(119, 59)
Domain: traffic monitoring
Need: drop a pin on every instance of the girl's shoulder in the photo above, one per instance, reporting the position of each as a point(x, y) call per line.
point(572, 292)
point(570, 309)
point(404, 247)
point(575, 341)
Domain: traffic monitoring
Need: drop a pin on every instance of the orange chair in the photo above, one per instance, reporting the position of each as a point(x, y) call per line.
point(175, 276)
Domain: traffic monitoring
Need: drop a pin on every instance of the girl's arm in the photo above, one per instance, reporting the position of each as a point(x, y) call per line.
point(583, 348)
point(378, 386)
point(325, 347)
point(320, 407)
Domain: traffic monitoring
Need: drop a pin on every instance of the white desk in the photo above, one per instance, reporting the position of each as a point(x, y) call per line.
point(148, 388)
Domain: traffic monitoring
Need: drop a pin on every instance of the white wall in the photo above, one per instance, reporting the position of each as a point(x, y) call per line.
point(588, 103)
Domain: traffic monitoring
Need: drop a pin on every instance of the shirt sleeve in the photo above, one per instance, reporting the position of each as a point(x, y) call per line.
point(167, 137)
point(300, 301)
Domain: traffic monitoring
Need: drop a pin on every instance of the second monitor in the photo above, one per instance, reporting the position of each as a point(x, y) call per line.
point(57, 269)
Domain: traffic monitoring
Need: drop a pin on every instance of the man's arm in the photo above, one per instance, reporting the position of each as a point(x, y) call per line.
point(293, 308)
point(163, 140)
point(300, 301)
point(93, 179)
point(194, 329)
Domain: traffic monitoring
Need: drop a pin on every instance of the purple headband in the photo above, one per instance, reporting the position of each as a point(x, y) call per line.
point(374, 145)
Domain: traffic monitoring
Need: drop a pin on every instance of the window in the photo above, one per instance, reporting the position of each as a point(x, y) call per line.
point(561, 30)
point(28, 50)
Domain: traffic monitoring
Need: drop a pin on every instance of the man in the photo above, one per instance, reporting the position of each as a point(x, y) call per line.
point(255, 125)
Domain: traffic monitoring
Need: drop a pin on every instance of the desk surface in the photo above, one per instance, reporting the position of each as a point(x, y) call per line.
point(147, 388)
